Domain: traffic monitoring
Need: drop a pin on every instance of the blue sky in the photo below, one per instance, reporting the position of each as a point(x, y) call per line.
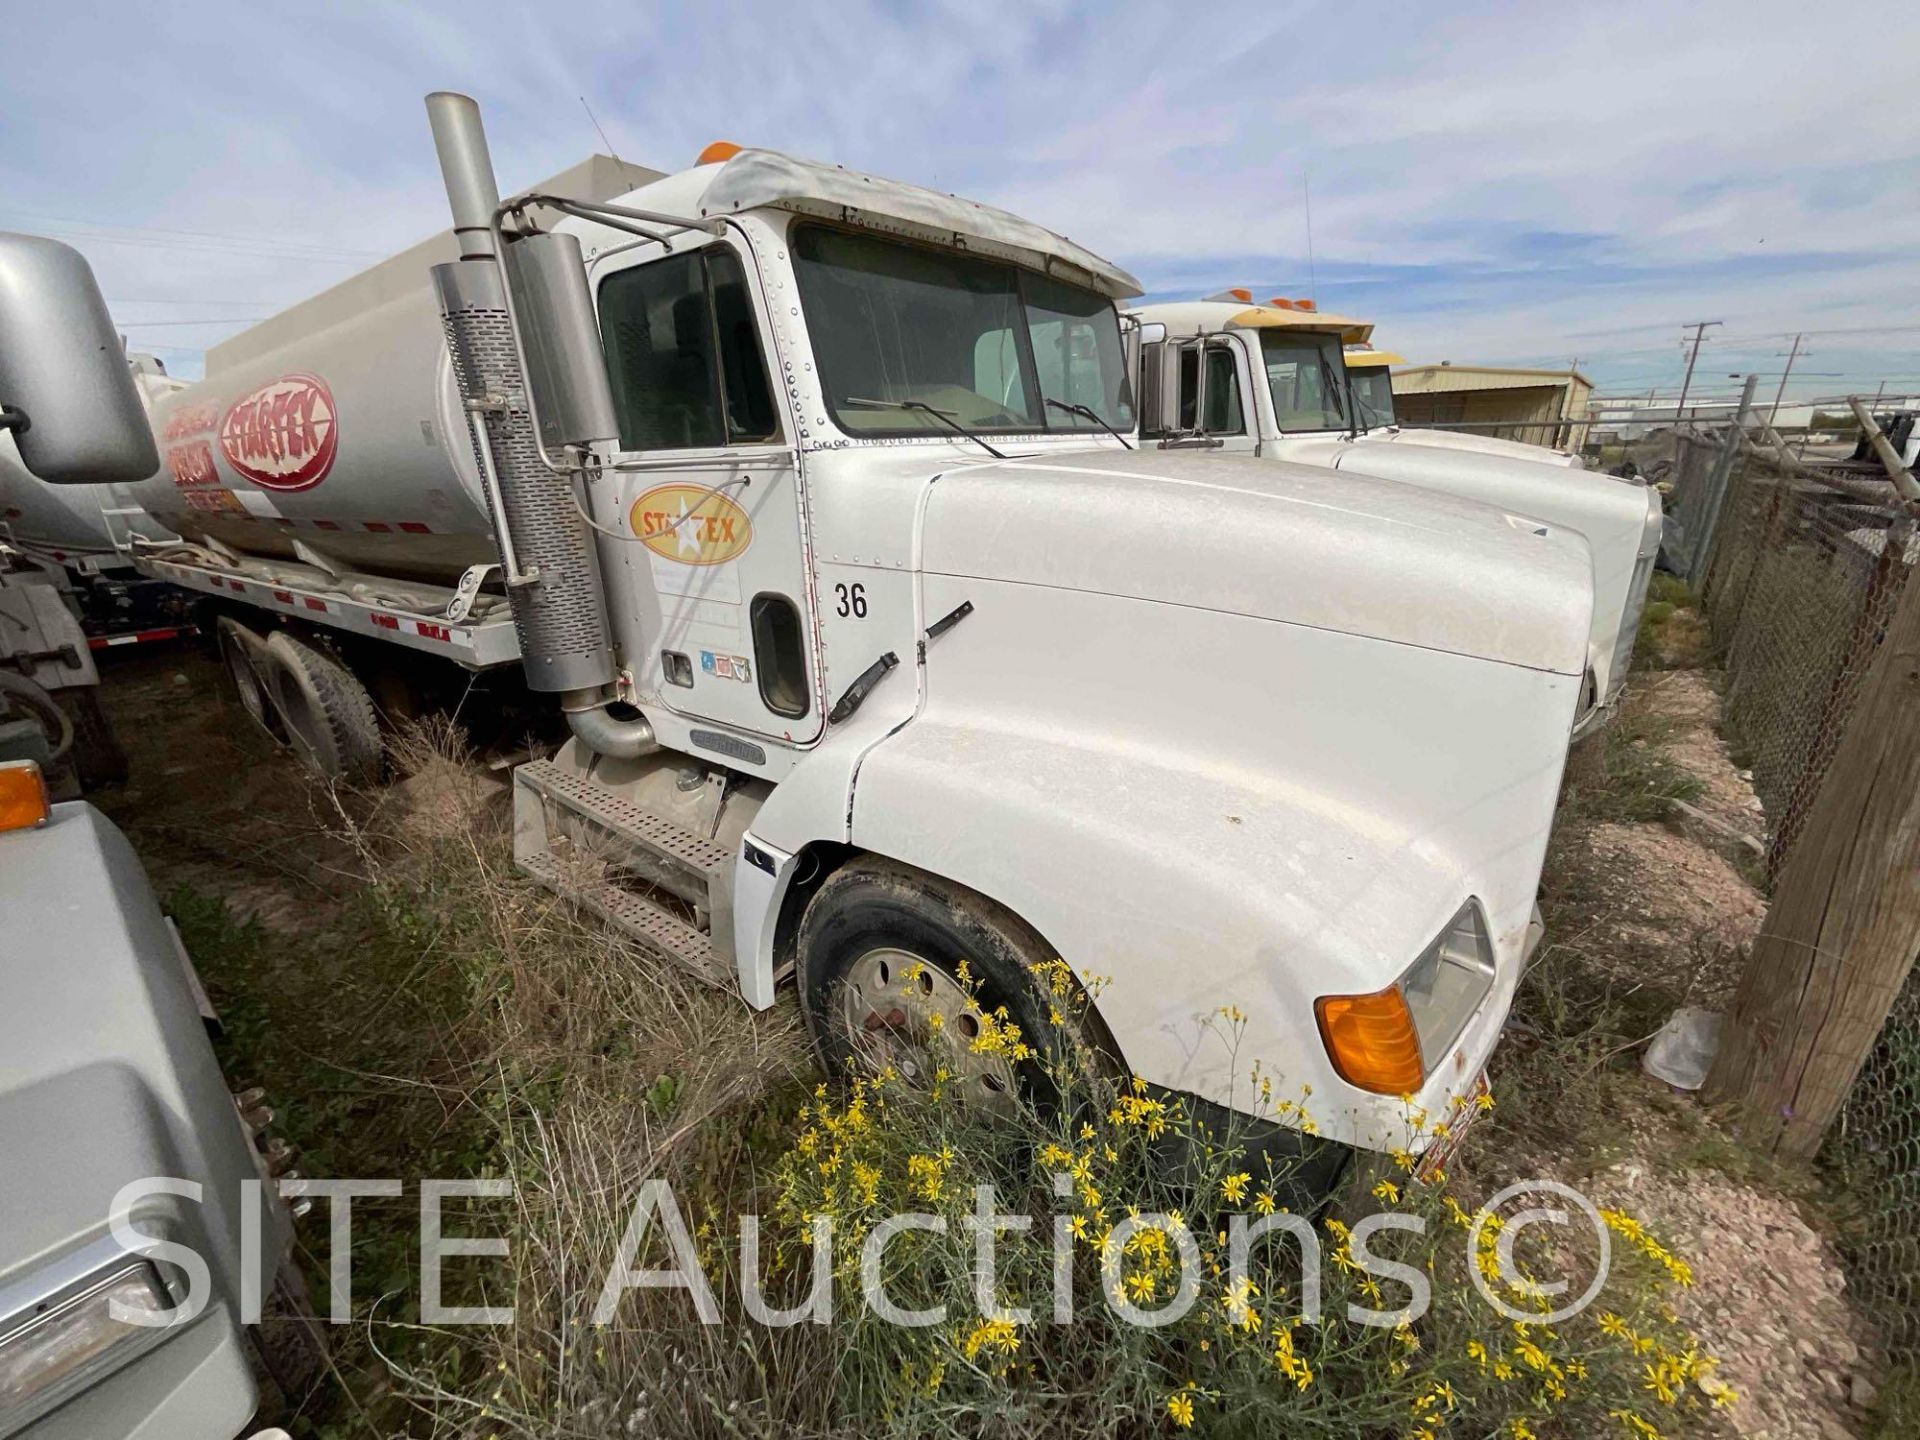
point(1489, 183)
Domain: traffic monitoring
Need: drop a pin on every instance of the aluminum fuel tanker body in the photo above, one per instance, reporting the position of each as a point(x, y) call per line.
point(336, 423)
point(349, 438)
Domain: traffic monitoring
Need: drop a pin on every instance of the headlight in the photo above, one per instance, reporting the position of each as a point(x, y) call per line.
point(1447, 983)
point(1389, 1041)
point(50, 1346)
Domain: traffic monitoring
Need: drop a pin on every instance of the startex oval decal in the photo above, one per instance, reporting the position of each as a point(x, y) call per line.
point(282, 436)
point(690, 524)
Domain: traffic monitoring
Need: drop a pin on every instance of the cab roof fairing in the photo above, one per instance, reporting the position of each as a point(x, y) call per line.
point(768, 179)
point(1194, 317)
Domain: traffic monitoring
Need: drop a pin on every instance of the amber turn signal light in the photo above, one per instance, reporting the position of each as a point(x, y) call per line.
point(23, 796)
point(1371, 1041)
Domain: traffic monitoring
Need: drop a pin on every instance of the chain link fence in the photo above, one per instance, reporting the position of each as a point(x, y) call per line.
point(1798, 577)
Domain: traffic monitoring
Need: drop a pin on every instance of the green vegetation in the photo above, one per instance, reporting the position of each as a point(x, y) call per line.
point(454, 1022)
point(1635, 778)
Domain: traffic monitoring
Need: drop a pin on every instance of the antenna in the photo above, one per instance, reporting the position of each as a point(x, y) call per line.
point(1313, 284)
point(602, 133)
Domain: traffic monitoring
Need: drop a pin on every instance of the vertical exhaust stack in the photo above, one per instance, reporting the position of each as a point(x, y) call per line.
point(559, 605)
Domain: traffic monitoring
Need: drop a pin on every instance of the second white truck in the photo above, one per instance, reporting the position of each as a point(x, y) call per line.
point(1272, 380)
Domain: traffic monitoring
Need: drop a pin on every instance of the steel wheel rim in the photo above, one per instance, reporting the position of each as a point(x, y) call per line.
point(888, 1006)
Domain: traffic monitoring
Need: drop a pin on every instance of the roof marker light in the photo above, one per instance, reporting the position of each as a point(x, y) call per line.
point(716, 152)
point(1244, 296)
point(1304, 305)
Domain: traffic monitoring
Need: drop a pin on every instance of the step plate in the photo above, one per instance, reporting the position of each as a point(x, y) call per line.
point(634, 915)
point(709, 864)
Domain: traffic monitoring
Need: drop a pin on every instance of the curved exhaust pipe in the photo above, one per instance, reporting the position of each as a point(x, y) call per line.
point(605, 734)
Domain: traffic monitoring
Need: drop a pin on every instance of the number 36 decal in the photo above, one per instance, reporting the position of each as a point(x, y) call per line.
point(853, 601)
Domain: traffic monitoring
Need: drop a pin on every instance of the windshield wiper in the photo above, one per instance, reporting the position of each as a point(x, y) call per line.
point(1089, 413)
point(941, 415)
point(1334, 388)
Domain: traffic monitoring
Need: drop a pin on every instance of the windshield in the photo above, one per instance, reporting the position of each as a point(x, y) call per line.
point(1307, 374)
point(984, 343)
point(1372, 396)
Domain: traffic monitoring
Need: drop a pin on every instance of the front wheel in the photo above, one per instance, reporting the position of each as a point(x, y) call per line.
point(902, 969)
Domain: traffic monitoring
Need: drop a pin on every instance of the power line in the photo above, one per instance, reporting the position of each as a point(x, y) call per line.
point(242, 239)
point(246, 304)
point(215, 320)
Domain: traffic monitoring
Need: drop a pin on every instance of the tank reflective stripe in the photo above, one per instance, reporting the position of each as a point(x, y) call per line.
point(313, 604)
point(139, 637)
point(432, 632)
point(414, 527)
point(285, 597)
point(386, 622)
point(326, 524)
point(380, 526)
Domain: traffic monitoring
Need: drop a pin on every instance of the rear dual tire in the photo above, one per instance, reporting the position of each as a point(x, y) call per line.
point(329, 716)
point(305, 700)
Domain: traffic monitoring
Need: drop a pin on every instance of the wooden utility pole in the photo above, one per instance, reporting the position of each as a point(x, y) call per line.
point(1781, 394)
point(1680, 410)
point(1844, 928)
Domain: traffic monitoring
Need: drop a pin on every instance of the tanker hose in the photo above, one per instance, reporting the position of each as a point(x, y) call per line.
point(604, 733)
point(29, 696)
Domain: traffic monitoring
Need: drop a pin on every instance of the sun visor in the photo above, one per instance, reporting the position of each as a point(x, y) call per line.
point(756, 178)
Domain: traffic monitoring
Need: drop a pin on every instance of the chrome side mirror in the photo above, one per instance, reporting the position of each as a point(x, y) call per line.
point(66, 391)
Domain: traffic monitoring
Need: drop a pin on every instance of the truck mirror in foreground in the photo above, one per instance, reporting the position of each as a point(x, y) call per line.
point(69, 397)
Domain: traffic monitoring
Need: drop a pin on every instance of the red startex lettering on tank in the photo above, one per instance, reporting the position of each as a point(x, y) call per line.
point(191, 465)
point(284, 435)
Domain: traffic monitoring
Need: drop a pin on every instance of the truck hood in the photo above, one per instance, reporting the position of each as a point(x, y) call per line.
point(1475, 444)
point(1610, 513)
point(1286, 542)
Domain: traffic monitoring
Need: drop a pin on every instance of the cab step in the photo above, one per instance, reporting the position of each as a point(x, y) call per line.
point(648, 876)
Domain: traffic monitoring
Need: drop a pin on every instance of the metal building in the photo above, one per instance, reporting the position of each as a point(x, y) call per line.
point(1538, 407)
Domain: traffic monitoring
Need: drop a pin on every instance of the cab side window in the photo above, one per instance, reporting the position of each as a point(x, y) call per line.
point(683, 354)
point(1224, 415)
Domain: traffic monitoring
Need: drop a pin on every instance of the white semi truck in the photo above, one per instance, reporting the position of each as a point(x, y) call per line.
point(138, 1213)
point(814, 498)
point(1273, 380)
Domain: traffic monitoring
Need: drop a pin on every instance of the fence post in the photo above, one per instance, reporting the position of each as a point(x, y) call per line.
point(1844, 927)
point(1890, 572)
point(1709, 521)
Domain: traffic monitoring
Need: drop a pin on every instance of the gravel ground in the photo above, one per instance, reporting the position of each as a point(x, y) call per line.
point(1663, 905)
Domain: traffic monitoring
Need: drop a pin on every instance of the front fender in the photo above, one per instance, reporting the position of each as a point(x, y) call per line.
point(1214, 810)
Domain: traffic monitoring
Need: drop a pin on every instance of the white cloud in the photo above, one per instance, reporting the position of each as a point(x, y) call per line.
point(1489, 182)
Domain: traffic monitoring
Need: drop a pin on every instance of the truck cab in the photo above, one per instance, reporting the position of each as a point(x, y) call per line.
point(928, 667)
point(1277, 381)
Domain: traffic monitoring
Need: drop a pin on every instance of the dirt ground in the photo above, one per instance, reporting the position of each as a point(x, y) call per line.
point(210, 801)
point(1659, 909)
point(1665, 911)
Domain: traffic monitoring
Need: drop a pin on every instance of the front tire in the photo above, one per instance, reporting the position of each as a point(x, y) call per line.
point(902, 968)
